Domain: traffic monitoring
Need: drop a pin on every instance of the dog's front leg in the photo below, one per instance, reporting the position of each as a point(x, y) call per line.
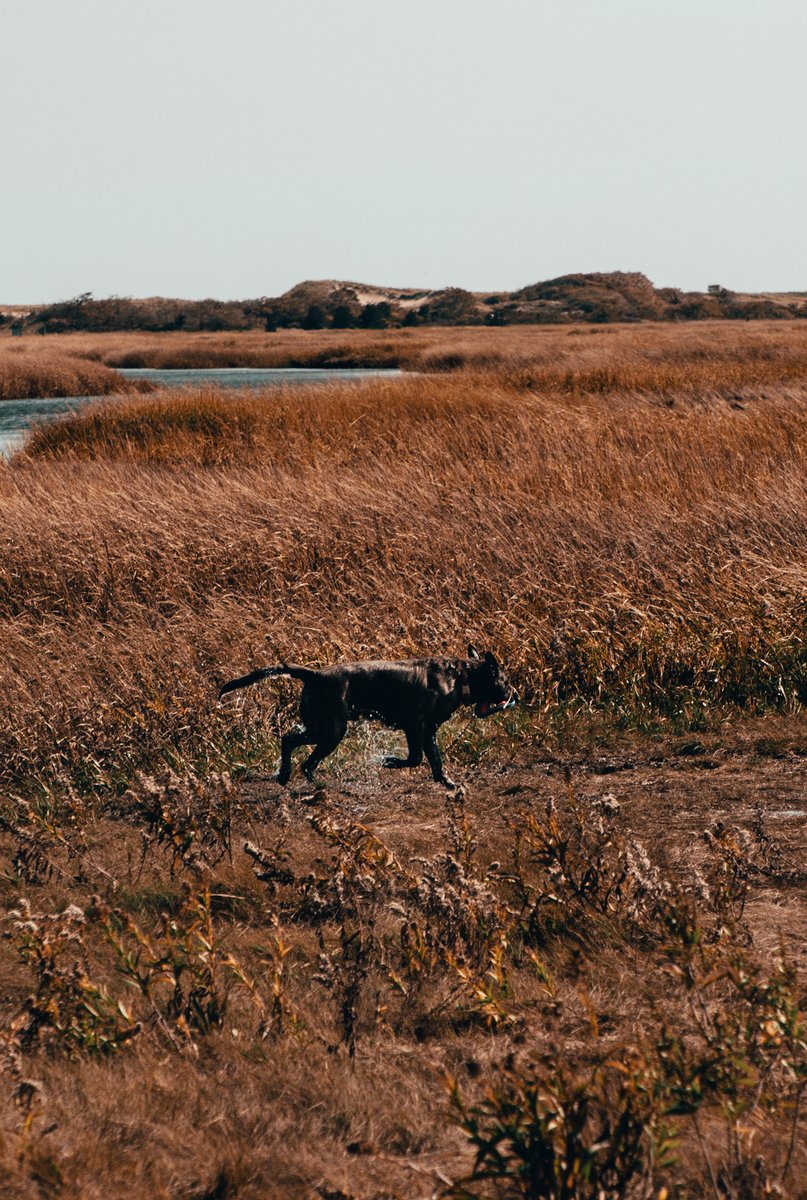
point(435, 759)
point(414, 741)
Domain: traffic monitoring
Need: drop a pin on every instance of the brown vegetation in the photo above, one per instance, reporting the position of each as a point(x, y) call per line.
point(595, 297)
point(645, 356)
point(29, 370)
point(211, 993)
point(622, 517)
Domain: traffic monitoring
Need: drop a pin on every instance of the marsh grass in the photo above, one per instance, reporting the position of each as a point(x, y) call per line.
point(548, 984)
point(627, 552)
point(770, 351)
point(29, 371)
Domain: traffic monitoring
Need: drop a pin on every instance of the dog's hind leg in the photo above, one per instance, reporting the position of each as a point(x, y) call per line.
point(299, 736)
point(414, 740)
point(325, 746)
point(435, 759)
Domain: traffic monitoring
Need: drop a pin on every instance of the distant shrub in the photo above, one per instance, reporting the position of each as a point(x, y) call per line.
point(454, 306)
point(314, 318)
point(119, 313)
point(344, 317)
point(376, 316)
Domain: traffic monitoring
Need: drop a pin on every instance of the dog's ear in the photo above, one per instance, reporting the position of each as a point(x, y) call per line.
point(473, 652)
point(492, 660)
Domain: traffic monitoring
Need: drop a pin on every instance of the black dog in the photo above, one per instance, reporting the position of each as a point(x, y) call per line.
point(417, 696)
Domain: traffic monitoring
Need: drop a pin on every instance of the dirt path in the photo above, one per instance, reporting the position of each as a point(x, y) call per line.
point(673, 798)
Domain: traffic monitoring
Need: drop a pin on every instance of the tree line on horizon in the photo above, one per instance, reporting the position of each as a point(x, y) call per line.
point(599, 298)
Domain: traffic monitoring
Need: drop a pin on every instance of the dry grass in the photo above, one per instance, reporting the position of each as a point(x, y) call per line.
point(657, 359)
point(621, 553)
point(29, 370)
point(290, 348)
point(454, 942)
point(625, 524)
point(772, 351)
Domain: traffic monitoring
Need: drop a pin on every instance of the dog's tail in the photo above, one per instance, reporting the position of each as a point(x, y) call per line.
point(303, 673)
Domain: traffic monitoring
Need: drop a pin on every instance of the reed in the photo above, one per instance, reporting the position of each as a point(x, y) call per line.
point(29, 371)
point(619, 551)
point(561, 349)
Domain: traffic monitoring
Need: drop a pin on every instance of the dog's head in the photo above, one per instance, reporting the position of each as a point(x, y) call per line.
point(491, 690)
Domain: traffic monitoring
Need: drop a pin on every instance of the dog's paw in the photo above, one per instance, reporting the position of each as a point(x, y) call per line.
point(447, 783)
point(392, 762)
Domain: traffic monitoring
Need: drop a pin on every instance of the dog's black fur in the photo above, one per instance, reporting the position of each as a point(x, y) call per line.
point(416, 695)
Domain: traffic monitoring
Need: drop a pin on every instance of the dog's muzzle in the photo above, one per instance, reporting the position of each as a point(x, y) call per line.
point(485, 709)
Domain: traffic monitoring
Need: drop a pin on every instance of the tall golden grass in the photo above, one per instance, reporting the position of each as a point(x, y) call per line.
point(773, 350)
point(638, 553)
point(29, 370)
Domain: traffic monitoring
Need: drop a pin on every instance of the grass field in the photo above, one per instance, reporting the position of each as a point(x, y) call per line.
point(583, 975)
point(30, 369)
point(650, 355)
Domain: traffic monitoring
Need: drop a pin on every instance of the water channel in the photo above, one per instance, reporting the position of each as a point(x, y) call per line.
point(17, 416)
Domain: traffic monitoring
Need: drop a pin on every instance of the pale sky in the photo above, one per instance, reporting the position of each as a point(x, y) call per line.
point(232, 148)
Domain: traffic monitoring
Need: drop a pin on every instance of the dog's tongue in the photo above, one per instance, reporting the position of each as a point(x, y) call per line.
point(484, 708)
